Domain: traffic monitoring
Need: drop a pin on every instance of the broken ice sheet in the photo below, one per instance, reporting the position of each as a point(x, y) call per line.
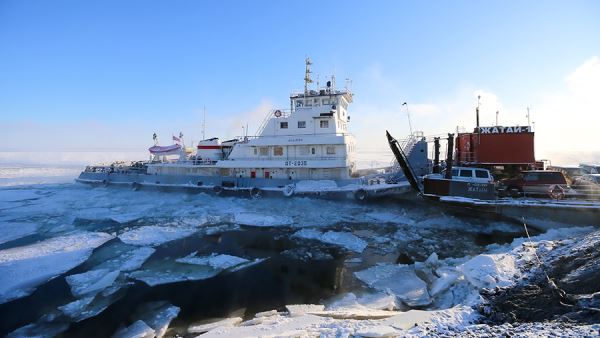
point(155, 235)
point(167, 271)
point(343, 239)
point(400, 280)
point(91, 282)
point(215, 261)
point(157, 315)
point(261, 220)
point(22, 269)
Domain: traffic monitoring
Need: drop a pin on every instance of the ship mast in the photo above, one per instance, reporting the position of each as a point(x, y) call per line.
point(204, 124)
point(307, 78)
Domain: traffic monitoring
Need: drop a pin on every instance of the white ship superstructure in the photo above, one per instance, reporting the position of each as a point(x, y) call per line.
point(310, 140)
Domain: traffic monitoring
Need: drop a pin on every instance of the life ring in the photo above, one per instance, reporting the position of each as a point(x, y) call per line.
point(360, 195)
point(556, 192)
point(255, 193)
point(278, 113)
point(135, 186)
point(217, 190)
point(289, 190)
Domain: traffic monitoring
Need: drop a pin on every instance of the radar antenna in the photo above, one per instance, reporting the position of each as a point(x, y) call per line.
point(307, 78)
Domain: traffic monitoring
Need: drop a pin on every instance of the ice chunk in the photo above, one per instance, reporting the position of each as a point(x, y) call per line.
point(10, 231)
point(154, 235)
point(138, 329)
point(157, 315)
point(302, 309)
point(377, 331)
point(490, 270)
point(260, 220)
point(389, 217)
point(215, 261)
point(91, 282)
point(166, 272)
point(443, 283)
point(22, 269)
point(134, 259)
point(227, 322)
point(399, 280)
point(344, 239)
point(14, 195)
point(74, 308)
point(40, 329)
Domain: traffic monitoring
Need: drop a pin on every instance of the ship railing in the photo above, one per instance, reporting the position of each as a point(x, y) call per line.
point(274, 113)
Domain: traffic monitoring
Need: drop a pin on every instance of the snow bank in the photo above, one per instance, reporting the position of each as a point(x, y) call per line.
point(343, 239)
point(22, 269)
point(261, 220)
point(154, 235)
point(490, 270)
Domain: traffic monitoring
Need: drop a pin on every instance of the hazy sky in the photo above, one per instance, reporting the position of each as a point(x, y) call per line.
point(107, 74)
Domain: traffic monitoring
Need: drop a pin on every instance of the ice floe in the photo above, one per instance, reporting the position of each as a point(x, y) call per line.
point(10, 231)
point(154, 235)
point(157, 315)
point(401, 280)
point(22, 269)
point(343, 239)
point(138, 329)
point(208, 326)
point(215, 261)
point(91, 282)
point(261, 220)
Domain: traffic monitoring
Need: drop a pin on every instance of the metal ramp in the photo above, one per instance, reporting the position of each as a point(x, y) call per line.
point(402, 159)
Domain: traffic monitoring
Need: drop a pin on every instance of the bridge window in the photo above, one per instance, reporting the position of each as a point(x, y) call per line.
point(330, 150)
point(264, 151)
point(301, 124)
point(283, 125)
point(324, 124)
point(303, 150)
point(278, 151)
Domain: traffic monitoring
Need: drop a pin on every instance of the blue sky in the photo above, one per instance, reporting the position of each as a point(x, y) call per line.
point(109, 73)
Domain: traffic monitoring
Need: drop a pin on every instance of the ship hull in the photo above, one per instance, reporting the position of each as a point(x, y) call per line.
point(354, 188)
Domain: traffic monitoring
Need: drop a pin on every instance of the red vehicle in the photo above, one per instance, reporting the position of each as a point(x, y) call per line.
point(537, 182)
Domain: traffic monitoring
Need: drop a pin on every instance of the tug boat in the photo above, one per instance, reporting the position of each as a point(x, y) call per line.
point(304, 150)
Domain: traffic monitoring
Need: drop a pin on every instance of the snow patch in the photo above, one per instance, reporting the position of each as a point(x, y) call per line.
point(315, 185)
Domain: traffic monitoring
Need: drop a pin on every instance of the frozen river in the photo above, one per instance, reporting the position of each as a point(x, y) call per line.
point(85, 261)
